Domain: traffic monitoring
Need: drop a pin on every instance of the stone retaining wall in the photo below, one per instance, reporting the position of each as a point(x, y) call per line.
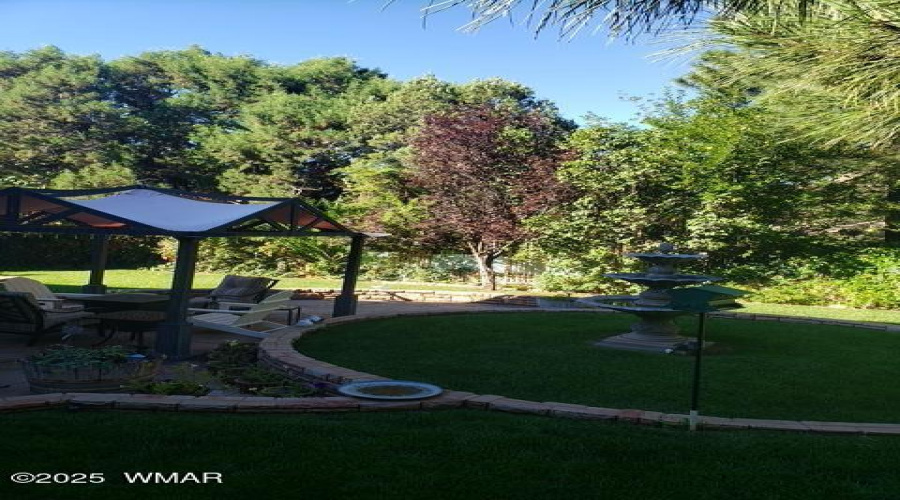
point(420, 296)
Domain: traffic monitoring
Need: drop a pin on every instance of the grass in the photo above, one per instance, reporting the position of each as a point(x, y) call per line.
point(874, 315)
point(773, 370)
point(71, 281)
point(435, 455)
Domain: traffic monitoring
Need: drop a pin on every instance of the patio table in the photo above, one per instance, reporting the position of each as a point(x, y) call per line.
point(135, 322)
point(126, 302)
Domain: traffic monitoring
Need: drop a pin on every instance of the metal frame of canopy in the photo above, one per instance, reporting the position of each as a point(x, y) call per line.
point(61, 212)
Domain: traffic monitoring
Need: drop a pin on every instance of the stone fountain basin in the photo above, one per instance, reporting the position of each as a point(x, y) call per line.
point(663, 280)
point(666, 256)
point(625, 303)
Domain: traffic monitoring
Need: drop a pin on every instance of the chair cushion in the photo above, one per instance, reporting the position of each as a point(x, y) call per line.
point(27, 285)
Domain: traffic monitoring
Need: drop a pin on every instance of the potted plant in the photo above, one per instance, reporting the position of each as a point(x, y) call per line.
point(64, 368)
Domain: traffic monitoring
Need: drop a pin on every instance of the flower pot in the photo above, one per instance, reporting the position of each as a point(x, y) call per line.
point(44, 379)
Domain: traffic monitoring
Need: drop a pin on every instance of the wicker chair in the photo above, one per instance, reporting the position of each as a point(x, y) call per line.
point(20, 313)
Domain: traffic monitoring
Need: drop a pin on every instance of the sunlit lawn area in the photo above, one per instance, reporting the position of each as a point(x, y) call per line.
point(877, 315)
point(767, 370)
point(438, 455)
point(71, 281)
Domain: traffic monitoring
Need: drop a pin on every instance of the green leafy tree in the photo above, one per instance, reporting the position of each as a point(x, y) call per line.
point(831, 76)
point(55, 115)
point(706, 174)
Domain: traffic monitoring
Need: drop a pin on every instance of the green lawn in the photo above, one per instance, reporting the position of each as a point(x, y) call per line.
point(771, 370)
point(71, 281)
point(434, 455)
point(876, 315)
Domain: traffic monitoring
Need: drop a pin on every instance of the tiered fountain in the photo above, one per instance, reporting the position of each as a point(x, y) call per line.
point(656, 331)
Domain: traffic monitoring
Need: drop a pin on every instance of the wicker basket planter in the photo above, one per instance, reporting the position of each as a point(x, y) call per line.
point(105, 376)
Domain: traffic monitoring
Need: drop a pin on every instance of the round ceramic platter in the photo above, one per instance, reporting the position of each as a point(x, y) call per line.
point(390, 389)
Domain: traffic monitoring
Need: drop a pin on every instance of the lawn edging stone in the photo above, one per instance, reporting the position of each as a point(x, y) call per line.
point(277, 352)
point(273, 354)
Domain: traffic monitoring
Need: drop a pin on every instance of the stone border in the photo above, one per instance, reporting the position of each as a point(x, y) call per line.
point(277, 352)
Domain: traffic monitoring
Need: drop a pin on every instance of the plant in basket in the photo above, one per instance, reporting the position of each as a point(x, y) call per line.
point(64, 368)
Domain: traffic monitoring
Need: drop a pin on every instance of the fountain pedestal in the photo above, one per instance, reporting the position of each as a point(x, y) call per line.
point(656, 330)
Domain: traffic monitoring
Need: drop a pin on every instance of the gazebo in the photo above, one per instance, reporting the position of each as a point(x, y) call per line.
point(187, 217)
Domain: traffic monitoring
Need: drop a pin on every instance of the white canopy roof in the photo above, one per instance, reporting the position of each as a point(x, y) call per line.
point(172, 213)
point(142, 210)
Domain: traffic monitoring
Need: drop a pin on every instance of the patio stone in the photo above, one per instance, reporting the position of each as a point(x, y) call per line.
point(208, 404)
point(674, 419)
point(721, 423)
point(389, 405)
point(586, 413)
point(773, 425)
point(318, 404)
point(833, 427)
point(30, 402)
point(481, 402)
point(151, 402)
point(448, 399)
point(519, 406)
point(94, 400)
point(256, 403)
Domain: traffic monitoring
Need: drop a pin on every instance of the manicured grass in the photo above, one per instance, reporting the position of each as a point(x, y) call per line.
point(71, 281)
point(876, 315)
point(770, 370)
point(436, 455)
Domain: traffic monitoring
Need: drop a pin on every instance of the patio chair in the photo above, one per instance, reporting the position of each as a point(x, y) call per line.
point(45, 298)
point(239, 289)
point(20, 313)
point(243, 322)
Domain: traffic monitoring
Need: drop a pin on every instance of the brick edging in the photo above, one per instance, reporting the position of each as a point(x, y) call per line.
point(277, 352)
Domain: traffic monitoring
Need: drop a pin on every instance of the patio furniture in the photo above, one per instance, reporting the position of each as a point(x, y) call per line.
point(45, 298)
point(292, 310)
point(233, 288)
point(241, 321)
point(20, 313)
point(135, 322)
point(185, 216)
point(126, 302)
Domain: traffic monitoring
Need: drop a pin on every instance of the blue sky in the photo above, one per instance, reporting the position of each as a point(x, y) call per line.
point(582, 75)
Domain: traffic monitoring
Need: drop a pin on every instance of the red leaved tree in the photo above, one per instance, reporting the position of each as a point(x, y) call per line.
point(484, 170)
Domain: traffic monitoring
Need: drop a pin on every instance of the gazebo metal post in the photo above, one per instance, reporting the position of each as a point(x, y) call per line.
point(99, 253)
point(345, 305)
point(174, 334)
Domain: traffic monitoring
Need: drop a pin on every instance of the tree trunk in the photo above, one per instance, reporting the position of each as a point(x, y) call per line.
point(486, 270)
